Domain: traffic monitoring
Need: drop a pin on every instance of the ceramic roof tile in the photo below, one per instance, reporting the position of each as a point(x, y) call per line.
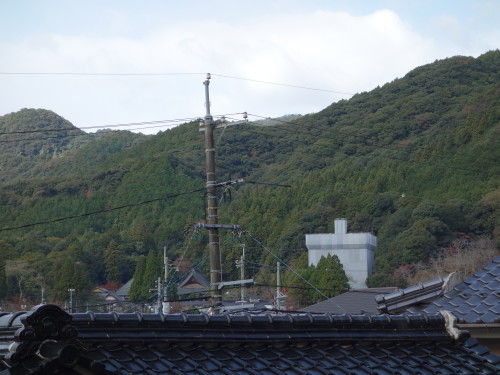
point(245, 344)
point(357, 301)
point(475, 300)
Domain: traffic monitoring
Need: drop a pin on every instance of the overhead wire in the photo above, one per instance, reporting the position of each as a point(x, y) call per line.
point(341, 134)
point(260, 130)
point(105, 210)
point(180, 262)
point(87, 74)
point(289, 267)
point(179, 121)
point(162, 123)
point(98, 74)
point(281, 84)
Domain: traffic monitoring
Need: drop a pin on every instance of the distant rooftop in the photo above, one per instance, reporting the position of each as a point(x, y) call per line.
point(357, 301)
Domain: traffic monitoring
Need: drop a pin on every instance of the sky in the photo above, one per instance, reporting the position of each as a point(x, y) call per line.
point(122, 62)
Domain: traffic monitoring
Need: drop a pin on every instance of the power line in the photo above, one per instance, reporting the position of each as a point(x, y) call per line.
point(101, 211)
point(474, 170)
point(281, 84)
point(96, 74)
point(172, 74)
point(267, 184)
point(162, 124)
point(90, 135)
point(289, 267)
point(177, 121)
point(345, 134)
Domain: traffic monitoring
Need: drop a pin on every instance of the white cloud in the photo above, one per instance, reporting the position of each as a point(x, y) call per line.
point(328, 50)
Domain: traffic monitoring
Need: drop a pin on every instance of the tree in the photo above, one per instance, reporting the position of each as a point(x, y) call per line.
point(6, 250)
point(331, 278)
point(151, 272)
point(327, 277)
point(64, 280)
point(112, 257)
point(135, 293)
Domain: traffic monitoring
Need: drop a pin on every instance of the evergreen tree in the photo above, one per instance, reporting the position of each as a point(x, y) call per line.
point(3, 279)
point(327, 276)
point(112, 257)
point(135, 293)
point(64, 280)
point(151, 272)
point(81, 282)
point(331, 278)
point(6, 250)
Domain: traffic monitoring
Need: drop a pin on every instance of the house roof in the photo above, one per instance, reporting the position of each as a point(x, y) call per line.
point(50, 341)
point(194, 275)
point(357, 301)
point(186, 286)
point(400, 300)
point(475, 300)
point(106, 294)
point(124, 290)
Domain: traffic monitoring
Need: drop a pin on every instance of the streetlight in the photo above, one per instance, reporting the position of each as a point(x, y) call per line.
point(71, 290)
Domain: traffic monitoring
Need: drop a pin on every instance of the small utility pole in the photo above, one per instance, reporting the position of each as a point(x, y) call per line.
point(212, 215)
point(166, 305)
point(241, 265)
point(158, 290)
point(279, 296)
point(71, 290)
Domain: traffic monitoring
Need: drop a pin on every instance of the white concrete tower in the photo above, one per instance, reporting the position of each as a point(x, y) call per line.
point(354, 250)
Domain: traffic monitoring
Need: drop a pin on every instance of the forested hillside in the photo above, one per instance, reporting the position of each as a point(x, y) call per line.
point(416, 162)
point(37, 142)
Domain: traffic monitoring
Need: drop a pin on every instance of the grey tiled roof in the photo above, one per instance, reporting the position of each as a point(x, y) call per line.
point(50, 341)
point(475, 300)
point(124, 290)
point(357, 301)
point(184, 288)
point(401, 299)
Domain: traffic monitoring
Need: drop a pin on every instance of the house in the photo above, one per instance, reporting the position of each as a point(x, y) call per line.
point(475, 302)
point(193, 282)
point(124, 290)
point(356, 301)
point(48, 340)
point(106, 294)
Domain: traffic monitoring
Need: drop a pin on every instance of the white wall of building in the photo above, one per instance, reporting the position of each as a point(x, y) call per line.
point(354, 250)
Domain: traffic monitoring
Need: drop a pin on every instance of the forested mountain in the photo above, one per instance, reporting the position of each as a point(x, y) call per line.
point(37, 142)
point(416, 162)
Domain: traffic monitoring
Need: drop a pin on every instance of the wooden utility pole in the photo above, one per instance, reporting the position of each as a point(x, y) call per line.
point(212, 224)
point(212, 215)
point(166, 305)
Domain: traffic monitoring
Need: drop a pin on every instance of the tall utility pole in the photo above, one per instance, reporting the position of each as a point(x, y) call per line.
point(212, 215)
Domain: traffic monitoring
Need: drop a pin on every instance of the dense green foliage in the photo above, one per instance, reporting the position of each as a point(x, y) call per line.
point(312, 284)
point(415, 162)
